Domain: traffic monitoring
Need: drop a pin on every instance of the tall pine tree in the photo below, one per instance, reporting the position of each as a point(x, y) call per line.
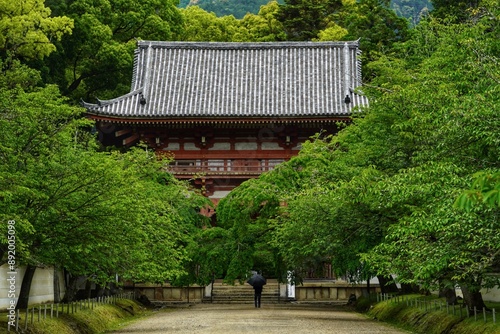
point(304, 19)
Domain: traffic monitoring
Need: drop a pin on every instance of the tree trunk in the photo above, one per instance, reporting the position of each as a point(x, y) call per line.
point(57, 284)
point(3, 250)
point(88, 289)
point(367, 294)
point(472, 297)
point(449, 294)
point(71, 289)
point(100, 290)
point(409, 288)
point(24, 294)
point(387, 284)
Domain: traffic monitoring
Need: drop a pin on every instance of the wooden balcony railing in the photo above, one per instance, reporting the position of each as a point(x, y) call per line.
point(223, 167)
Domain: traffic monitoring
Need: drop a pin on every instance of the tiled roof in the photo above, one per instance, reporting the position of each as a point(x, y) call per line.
point(173, 80)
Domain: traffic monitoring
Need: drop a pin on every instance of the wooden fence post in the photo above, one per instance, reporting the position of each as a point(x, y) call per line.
point(17, 320)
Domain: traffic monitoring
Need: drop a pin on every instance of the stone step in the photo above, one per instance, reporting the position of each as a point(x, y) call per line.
point(244, 295)
point(264, 302)
point(223, 293)
point(218, 300)
point(245, 291)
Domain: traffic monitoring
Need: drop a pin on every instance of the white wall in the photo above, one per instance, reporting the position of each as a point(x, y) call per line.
point(491, 295)
point(42, 287)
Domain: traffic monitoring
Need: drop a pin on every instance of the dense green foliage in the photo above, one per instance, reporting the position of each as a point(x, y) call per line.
point(96, 59)
point(238, 9)
point(379, 198)
point(413, 10)
point(95, 214)
point(304, 19)
point(29, 30)
point(92, 212)
point(411, 188)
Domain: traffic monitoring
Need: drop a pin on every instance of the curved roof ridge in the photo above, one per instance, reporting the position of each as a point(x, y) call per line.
point(103, 103)
point(244, 45)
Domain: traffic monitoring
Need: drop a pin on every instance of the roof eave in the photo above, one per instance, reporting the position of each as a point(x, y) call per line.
point(218, 120)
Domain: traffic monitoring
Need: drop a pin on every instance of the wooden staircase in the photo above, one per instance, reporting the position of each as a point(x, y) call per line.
point(243, 294)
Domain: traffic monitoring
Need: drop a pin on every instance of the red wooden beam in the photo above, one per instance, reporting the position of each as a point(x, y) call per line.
point(130, 140)
point(122, 132)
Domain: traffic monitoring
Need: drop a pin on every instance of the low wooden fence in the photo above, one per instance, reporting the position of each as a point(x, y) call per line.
point(458, 309)
point(40, 312)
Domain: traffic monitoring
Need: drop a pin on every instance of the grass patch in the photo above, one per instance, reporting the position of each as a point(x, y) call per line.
point(88, 321)
point(431, 321)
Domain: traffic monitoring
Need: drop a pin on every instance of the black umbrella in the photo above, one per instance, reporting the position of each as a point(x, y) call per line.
point(257, 280)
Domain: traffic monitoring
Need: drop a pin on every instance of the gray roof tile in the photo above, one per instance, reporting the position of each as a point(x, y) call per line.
point(283, 79)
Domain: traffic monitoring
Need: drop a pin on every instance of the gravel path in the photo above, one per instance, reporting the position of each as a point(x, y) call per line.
point(272, 319)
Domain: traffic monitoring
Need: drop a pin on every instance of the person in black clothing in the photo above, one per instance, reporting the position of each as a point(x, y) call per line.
point(257, 295)
point(257, 281)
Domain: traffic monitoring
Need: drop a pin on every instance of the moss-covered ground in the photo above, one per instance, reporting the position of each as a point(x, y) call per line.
point(101, 319)
point(431, 320)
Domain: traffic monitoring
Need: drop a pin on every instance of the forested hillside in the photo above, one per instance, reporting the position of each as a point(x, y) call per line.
point(411, 188)
point(413, 10)
point(410, 9)
point(237, 8)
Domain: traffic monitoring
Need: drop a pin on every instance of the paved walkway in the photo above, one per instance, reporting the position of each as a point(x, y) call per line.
point(270, 319)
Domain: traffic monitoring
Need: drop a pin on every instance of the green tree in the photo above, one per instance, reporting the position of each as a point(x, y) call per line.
point(95, 214)
point(333, 33)
point(379, 196)
point(244, 213)
point(238, 9)
point(413, 10)
point(200, 25)
point(27, 30)
point(485, 189)
point(304, 19)
point(457, 10)
point(96, 60)
point(375, 25)
point(209, 256)
point(265, 26)
point(453, 137)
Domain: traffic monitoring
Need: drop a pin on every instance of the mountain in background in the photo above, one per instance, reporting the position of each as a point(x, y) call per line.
point(411, 9)
point(237, 8)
